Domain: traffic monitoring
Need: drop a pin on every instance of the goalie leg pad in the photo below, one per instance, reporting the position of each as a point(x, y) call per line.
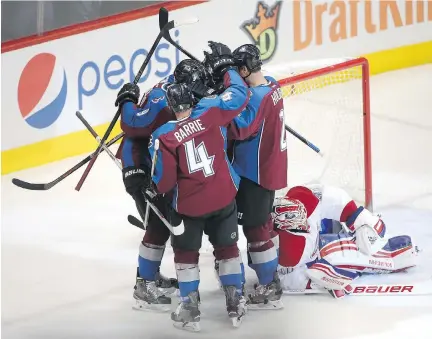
point(401, 250)
point(330, 277)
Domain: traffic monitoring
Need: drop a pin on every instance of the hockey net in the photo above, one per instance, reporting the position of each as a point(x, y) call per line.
point(327, 102)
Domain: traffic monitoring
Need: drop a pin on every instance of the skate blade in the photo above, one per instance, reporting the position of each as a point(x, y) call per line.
point(271, 305)
point(167, 291)
point(188, 326)
point(143, 306)
point(236, 321)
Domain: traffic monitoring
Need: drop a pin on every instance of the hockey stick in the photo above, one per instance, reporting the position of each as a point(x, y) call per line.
point(304, 140)
point(174, 230)
point(135, 221)
point(98, 139)
point(163, 19)
point(46, 186)
point(156, 148)
point(167, 27)
point(419, 288)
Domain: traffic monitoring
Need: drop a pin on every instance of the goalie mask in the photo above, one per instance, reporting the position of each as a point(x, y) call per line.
point(289, 215)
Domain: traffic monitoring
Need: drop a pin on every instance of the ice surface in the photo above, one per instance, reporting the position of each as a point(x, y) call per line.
point(68, 258)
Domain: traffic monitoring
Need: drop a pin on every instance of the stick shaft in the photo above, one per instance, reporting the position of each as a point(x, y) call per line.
point(117, 115)
point(418, 288)
point(153, 166)
point(98, 139)
point(303, 139)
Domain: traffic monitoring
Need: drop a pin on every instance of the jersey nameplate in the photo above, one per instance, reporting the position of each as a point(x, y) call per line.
point(276, 96)
point(188, 129)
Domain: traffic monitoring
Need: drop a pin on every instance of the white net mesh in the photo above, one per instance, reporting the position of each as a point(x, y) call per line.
point(328, 111)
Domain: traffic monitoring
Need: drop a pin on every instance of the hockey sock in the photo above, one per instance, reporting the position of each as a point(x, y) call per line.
point(264, 261)
point(188, 278)
point(230, 272)
point(149, 260)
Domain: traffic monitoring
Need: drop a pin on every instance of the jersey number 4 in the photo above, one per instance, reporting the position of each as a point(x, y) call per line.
point(198, 158)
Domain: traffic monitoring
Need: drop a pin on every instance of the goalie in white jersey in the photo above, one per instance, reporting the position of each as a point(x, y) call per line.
point(326, 241)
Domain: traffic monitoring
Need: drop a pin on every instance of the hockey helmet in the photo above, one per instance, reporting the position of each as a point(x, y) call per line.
point(179, 97)
point(248, 55)
point(189, 70)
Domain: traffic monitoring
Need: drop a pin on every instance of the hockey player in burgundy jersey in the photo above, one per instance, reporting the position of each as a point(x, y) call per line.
point(192, 159)
point(138, 122)
point(259, 148)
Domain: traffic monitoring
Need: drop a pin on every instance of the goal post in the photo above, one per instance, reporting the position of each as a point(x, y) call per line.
point(328, 102)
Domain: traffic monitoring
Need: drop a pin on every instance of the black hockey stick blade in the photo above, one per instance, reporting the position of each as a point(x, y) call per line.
point(163, 20)
point(163, 17)
point(46, 186)
point(134, 221)
point(33, 187)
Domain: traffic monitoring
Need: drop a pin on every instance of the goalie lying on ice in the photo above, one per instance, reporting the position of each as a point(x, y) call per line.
point(327, 241)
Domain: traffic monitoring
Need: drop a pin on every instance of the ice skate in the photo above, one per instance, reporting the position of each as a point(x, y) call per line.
point(148, 297)
point(236, 305)
point(166, 285)
point(187, 315)
point(266, 297)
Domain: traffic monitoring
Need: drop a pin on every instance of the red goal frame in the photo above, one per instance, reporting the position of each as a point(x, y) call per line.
point(364, 64)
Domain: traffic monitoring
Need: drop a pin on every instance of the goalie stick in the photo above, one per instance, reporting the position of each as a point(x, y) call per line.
point(417, 288)
point(176, 230)
point(46, 186)
point(168, 26)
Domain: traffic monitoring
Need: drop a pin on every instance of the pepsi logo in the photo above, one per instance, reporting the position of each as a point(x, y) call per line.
point(42, 91)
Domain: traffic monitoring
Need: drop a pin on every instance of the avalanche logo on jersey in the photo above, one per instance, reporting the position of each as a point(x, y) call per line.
point(42, 91)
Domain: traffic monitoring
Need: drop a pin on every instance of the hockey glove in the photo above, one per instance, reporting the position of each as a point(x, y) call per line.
point(136, 180)
point(220, 61)
point(218, 49)
point(200, 90)
point(129, 92)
